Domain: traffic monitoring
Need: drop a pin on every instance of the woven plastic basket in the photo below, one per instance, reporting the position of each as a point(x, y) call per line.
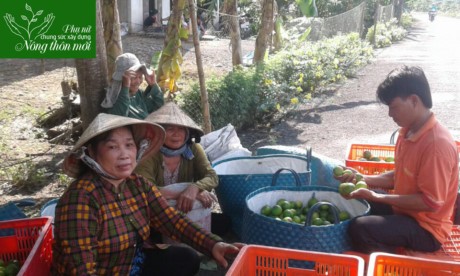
point(263, 230)
point(321, 166)
point(242, 175)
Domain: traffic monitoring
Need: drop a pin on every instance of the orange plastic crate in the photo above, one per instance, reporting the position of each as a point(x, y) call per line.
point(451, 247)
point(29, 243)
point(266, 260)
point(383, 264)
point(355, 151)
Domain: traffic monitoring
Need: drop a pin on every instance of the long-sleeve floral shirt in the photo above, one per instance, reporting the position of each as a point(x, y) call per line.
point(96, 227)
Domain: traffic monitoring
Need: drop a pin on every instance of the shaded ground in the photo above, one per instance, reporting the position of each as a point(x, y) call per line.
point(328, 124)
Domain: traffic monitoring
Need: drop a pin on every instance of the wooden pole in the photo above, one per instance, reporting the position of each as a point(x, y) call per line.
point(199, 64)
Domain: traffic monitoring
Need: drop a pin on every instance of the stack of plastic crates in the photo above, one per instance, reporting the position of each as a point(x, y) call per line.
point(29, 242)
point(265, 260)
point(383, 264)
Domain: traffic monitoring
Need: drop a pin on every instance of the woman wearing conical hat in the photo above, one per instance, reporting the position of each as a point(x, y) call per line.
point(181, 159)
point(107, 212)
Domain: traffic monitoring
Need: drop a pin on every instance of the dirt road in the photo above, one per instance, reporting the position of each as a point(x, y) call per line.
point(352, 115)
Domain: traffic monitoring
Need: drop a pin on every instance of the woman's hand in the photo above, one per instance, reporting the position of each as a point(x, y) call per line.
point(187, 198)
point(222, 249)
point(206, 198)
point(127, 76)
point(150, 79)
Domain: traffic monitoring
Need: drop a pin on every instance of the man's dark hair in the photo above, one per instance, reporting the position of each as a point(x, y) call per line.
point(403, 82)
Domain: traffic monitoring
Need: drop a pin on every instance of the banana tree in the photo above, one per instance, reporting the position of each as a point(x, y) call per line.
point(169, 70)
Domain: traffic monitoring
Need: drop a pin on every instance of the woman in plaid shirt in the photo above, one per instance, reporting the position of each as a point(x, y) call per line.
point(107, 212)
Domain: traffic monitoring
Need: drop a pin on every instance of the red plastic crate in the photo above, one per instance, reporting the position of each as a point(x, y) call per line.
point(30, 244)
point(355, 151)
point(383, 264)
point(266, 260)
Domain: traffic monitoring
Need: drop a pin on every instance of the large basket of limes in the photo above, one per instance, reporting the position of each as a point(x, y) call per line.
point(312, 218)
point(242, 175)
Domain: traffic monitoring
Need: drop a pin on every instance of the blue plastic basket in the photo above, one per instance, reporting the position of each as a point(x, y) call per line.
point(263, 230)
point(10, 211)
point(240, 176)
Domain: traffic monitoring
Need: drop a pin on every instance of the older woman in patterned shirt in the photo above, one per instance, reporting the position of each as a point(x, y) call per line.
point(108, 211)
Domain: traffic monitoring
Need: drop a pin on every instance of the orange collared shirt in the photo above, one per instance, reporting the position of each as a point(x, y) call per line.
point(427, 163)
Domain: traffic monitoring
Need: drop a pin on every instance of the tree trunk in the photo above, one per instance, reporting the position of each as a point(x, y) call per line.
point(92, 76)
point(264, 32)
point(112, 34)
point(199, 65)
point(399, 4)
point(231, 7)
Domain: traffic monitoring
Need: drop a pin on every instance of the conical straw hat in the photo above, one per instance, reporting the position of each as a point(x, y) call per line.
point(171, 114)
point(105, 122)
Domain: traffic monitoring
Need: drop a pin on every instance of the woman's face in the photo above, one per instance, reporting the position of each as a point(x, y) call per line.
point(135, 82)
point(117, 153)
point(175, 136)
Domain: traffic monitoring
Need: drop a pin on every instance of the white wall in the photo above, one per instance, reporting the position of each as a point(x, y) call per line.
point(165, 11)
point(136, 16)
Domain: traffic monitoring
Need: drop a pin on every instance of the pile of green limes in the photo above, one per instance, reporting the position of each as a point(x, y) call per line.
point(9, 269)
point(296, 212)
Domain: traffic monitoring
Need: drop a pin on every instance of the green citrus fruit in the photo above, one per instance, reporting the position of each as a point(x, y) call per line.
point(296, 219)
point(367, 154)
point(280, 201)
point(359, 177)
point(346, 188)
point(314, 215)
point(288, 213)
point(323, 214)
point(317, 221)
point(312, 202)
point(266, 210)
point(285, 205)
point(361, 184)
point(347, 172)
point(277, 210)
point(389, 159)
point(344, 215)
point(324, 207)
point(305, 210)
point(337, 171)
point(375, 159)
point(298, 204)
point(287, 219)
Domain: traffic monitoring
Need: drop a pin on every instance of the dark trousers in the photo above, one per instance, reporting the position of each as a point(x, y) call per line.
point(384, 231)
point(175, 260)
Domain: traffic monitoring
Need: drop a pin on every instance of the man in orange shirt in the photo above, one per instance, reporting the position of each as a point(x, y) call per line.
point(425, 180)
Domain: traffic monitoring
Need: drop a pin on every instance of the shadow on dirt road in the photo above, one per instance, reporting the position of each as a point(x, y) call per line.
point(352, 115)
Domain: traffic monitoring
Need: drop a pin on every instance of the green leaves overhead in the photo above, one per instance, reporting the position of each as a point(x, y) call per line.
point(308, 7)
